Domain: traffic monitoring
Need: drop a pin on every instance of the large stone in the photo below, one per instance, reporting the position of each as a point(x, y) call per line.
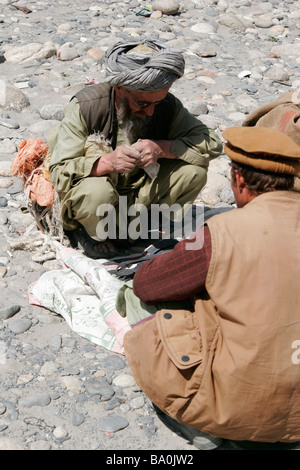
point(5, 167)
point(204, 28)
point(95, 53)
point(287, 49)
point(30, 52)
point(7, 443)
point(20, 325)
point(9, 123)
point(8, 312)
point(11, 98)
point(67, 52)
point(230, 20)
point(7, 146)
point(216, 181)
point(167, 7)
point(52, 111)
point(277, 73)
point(112, 423)
point(41, 128)
point(38, 399)
point(64, 28)
point(263, 22)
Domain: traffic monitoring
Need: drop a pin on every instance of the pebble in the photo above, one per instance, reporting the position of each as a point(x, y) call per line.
point(112, 423)
point(6, 182)
point(204, 28)
point(25, 379)
point(124, 380)
point(14, 99)
point(40, 399)
point(137, 402)
point(3, 202)
point(7, 146)
point(5, 168)
point(3, 271)
point(52, 111)
point(48, 368)
point(99, 386)
point(263, 23)
point(20, 325)
point(77, 419)
point(40, 445)
point(8, 312)
point(239, 55)
point(167, 7)
point(3, 219)
point(10, 123)
point(60, 432)
point(11, 444)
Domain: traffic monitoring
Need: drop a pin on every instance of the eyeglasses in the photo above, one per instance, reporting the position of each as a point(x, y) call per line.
point(143, 104)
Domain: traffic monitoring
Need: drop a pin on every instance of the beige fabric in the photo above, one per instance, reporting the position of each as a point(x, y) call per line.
point(282, 114)
point(227, 367)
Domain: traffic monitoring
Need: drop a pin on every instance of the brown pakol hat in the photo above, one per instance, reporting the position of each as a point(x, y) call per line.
point(263, 148)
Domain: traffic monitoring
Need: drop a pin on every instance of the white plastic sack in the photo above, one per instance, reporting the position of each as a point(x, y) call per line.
point(85, 294)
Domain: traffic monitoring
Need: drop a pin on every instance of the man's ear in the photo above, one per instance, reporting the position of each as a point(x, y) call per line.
point(119, 90)
point(240, 182)
point(119, 94)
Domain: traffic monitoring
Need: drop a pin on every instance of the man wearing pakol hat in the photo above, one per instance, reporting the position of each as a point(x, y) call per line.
point(128, 137)
point(228, 363)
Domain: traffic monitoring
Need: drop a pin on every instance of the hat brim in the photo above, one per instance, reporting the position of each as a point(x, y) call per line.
point(283, 166)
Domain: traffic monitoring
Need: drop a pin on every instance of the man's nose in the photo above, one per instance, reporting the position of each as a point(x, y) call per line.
point(149, 110)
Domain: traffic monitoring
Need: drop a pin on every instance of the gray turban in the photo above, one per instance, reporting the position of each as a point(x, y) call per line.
point(143, 66)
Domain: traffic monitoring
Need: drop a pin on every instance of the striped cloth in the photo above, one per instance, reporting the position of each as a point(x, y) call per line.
point(143, 66)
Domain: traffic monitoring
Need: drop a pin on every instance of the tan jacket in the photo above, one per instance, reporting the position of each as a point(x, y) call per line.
point(227, 368)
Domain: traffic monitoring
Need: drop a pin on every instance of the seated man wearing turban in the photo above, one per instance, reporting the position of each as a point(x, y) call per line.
point(115, 134)
point(227, 363)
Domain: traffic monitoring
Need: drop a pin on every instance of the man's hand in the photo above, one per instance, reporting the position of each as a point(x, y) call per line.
point(149, 151)
point(121, 160)
point(124, 158)
point(152, 150)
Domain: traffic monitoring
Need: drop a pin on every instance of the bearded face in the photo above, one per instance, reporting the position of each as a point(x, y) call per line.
point(133, 126)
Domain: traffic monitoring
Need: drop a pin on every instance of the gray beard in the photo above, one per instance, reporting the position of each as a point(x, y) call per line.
point(134, 127)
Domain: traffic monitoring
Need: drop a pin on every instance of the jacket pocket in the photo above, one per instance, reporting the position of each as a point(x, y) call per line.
point(180, 337)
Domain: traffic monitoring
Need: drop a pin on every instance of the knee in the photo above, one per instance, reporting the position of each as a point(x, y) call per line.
point(92, 192)
point(87, 199)
point(194, 177)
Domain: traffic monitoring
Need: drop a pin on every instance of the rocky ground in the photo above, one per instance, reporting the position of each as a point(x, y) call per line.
point(57, 389)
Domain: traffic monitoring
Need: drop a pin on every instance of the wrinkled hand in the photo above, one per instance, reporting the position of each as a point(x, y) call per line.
point(149, 152)
point(124, 158)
